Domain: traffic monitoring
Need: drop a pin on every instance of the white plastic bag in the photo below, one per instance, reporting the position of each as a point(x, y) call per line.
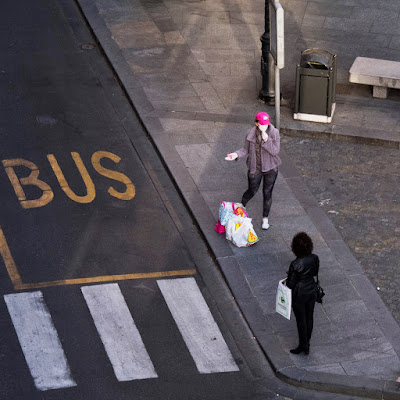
point(283, 300)
point(228, 210)
point(232, 225)
point(240, 232)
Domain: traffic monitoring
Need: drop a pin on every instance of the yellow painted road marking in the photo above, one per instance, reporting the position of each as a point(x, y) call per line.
point(118, 176)
point(91, 191)
point(47, 195)
point(32, 179)
point(19, 285)
point(108, 278)
point(9, 262)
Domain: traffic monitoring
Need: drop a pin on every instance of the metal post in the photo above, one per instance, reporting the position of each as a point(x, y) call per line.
point(277, 98)
point(267, 93)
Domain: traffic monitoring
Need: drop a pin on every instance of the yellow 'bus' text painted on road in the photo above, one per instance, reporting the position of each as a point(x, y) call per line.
point(130, 188)
point(32, 179)
point(47, 193)
point(91, 191)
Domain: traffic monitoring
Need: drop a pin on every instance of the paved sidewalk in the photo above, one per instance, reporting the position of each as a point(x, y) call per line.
point(191, 69)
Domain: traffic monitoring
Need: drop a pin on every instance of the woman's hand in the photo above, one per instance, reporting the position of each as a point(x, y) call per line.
point(231, 156)
point(264, 136)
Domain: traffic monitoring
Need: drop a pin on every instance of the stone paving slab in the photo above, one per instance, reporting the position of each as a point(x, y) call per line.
point(190, 69)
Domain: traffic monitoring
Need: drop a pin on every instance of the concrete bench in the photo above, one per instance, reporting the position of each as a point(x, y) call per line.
point(381, 74)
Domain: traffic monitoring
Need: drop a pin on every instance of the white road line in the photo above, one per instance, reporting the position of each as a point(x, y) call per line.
point(118, 332)
point(197, 326)
point(39, 340)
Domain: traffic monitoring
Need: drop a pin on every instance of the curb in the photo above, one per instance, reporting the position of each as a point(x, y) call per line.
point(278, 359)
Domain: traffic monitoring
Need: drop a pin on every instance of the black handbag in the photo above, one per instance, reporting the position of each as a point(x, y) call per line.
point(320, 292)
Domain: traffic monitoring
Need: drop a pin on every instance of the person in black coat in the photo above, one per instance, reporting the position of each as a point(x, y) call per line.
point(304, 288)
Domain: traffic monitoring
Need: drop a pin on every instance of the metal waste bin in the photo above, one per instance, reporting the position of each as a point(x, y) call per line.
point(315, 86)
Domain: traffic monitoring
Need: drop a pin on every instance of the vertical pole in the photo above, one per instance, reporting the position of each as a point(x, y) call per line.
point(277, 98)
point(267, 93)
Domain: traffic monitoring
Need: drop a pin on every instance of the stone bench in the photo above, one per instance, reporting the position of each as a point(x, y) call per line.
point(381, 74)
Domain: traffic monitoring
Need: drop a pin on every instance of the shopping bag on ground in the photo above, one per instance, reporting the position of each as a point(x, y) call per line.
point(225, 212)
point(238, 209)
point(228, 210)
point(283, 299)
point(232, 225)
point(240, 232)
point(219, 227)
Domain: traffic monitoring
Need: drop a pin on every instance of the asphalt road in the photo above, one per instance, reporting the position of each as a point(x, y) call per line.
point(100, 296)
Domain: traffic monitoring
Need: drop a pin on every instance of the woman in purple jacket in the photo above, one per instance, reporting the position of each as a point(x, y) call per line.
point(261, 147)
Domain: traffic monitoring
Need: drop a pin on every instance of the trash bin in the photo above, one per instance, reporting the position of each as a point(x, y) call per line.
point(315, 86)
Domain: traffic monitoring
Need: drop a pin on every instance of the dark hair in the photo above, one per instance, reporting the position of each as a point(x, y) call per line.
point(302, 245)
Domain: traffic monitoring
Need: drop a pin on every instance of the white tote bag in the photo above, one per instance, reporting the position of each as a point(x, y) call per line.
point(283, 300)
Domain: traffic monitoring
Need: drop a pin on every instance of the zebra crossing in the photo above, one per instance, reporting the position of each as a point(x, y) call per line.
point(39, 340)
point(118, 332)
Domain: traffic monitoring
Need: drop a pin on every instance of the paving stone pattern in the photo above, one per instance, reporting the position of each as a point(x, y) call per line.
point(358, 187)
point(347, 339)
point(203, 56)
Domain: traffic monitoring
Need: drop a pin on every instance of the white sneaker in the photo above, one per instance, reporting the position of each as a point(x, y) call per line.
point(265, 224)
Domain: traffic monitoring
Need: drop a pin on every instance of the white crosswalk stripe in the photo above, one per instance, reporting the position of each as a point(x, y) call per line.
point(118, 332)
point(39, 340)
point(197, 326)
